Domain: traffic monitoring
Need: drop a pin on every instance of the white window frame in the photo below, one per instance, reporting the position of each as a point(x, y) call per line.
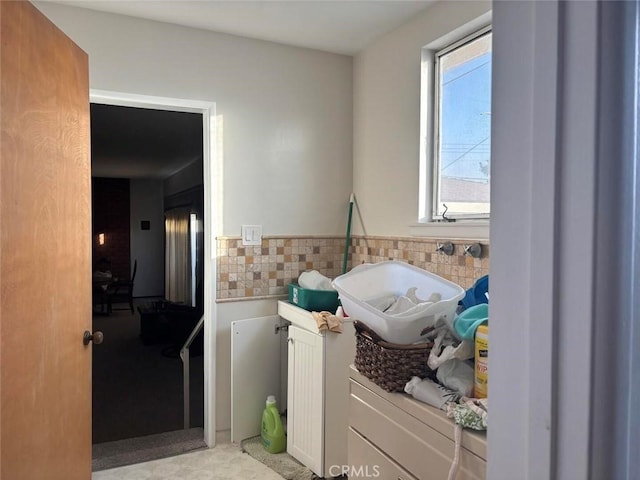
point(429, 113)
point(436, 124)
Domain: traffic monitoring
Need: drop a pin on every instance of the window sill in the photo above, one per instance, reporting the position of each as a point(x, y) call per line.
point(462, 229)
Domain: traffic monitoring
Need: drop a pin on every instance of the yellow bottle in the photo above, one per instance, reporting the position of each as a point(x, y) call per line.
point(481, 360)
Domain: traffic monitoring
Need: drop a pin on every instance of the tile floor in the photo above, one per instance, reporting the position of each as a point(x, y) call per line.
point(224, 462)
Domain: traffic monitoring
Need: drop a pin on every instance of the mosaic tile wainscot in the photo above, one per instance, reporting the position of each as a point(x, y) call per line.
point(248, 272)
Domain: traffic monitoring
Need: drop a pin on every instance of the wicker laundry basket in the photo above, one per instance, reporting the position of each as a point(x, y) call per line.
point(389, 365)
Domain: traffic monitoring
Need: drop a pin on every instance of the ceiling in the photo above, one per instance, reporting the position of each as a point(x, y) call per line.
point(129, 142)
point(138, 143)
point(339, 26)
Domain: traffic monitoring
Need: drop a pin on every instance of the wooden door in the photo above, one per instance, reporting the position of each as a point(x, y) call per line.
point(45, 258)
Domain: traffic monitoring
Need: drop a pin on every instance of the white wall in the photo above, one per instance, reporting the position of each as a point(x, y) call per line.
point(387, 116)
point(285, 112)
point(147, 246)
point(284, 126)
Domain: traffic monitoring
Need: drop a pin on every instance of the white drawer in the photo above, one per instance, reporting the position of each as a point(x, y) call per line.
point(420, 449)
point(475, 442)
point(367, 461)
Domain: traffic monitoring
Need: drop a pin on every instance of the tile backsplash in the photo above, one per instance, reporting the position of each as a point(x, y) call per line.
point(266, 270)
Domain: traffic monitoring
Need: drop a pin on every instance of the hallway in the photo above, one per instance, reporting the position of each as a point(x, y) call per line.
point(137, 389)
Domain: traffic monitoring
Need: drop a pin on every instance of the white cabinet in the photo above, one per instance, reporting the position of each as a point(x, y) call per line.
point(317, 391)
point(305, 398)
point(392, 435)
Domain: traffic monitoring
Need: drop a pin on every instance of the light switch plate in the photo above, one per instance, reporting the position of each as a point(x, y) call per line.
point(251, 235)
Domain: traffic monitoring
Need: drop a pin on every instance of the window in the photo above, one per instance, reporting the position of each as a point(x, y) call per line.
point(461, 135)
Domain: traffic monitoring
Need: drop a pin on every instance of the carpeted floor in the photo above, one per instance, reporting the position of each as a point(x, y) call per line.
point(144, 449)
point(137, 391)
point(282, 463)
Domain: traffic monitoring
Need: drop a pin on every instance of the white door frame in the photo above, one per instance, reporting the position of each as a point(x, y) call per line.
point(210, 162)
point(564, 241)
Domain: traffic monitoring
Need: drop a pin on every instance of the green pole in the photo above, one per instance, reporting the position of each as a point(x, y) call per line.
point(346, 247)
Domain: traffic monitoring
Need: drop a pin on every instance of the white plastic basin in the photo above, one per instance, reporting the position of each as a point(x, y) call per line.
point(370, 281)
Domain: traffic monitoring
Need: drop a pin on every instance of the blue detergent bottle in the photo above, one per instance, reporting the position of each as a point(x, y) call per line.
point(273, 438)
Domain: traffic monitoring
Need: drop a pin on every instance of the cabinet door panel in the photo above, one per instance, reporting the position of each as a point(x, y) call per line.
point(253, 343)
point(305, 398)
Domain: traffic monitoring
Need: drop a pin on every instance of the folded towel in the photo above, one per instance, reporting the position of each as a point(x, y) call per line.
point(383, 302)
point(403, 305)
point(327, 321)
point(468, 321)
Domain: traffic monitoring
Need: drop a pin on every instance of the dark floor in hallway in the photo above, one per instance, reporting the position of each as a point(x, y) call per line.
point(137, 388)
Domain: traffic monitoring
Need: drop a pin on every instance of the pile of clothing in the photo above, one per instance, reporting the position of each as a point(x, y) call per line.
point(404, 305)
point(452, 358)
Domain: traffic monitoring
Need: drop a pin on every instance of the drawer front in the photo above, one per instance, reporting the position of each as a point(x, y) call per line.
point(472, 440)
point(421, 450)
point(367, 461)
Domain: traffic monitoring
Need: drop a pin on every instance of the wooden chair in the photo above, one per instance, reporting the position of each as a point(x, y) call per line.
point(121, 292)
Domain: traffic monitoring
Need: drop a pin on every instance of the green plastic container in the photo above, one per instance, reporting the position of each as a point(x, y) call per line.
point(313, 300)
point(273, 438)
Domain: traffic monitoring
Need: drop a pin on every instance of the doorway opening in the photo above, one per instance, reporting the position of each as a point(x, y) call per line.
point(151, 157)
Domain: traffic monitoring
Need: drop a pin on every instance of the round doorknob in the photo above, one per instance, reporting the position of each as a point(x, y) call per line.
point(95, 337)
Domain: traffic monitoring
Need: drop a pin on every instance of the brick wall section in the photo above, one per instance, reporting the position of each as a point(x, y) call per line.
point(266, 270)
point(110, 207)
